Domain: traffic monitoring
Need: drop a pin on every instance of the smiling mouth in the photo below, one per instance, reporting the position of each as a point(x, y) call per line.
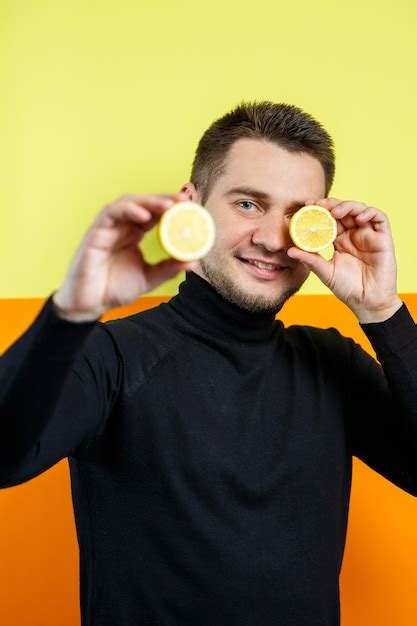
point(264, 266)
point(263, 270)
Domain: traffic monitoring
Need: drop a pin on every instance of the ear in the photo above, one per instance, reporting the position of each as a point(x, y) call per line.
point(190, 191)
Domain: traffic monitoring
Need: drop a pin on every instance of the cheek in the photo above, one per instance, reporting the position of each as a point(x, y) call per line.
point(232, 234)
point(228, 238)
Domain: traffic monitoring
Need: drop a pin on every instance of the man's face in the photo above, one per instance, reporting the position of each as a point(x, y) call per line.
point(253, 228)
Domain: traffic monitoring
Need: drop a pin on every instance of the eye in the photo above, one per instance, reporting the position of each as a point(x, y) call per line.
point(246, 202)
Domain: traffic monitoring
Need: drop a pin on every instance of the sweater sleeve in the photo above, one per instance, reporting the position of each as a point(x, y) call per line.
point(382, 400)
point(58, 382)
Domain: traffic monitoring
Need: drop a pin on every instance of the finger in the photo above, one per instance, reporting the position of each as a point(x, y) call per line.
point(157, 204)
point(367, 214)
point(348, 222)
point(346, 214)
point(379, 221)
point(350, 207)
point(314, 262)
point(122, 210)
point(368, 217)
point(341, 228)
point(119, 212)
point(371, 214)
point(145, 210)
point(155, 216)
point(157, 211)
point(328, 203)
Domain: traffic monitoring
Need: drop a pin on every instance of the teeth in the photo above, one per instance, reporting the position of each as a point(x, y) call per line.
point(264, 266)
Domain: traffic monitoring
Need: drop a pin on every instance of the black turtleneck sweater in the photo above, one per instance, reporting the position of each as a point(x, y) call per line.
point(210, 453)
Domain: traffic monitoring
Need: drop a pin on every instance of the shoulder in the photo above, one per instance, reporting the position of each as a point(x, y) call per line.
point(329, 342)
point(145, 324)
point(144, 336)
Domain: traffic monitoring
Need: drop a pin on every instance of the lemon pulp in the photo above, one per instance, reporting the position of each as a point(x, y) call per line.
point(186, 231)
point(313, 228)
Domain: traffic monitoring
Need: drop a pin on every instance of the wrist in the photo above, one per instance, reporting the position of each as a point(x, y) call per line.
point(371, 316)
point(72, 316)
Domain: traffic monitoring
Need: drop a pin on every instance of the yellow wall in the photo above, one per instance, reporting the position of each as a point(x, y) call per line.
point(101, 99)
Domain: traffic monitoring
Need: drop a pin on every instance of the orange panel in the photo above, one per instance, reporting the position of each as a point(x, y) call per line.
point(38, 544)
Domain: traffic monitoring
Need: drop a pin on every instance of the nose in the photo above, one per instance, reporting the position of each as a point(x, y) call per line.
point(272, 233)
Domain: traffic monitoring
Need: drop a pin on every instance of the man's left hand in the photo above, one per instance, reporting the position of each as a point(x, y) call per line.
point(363, 270)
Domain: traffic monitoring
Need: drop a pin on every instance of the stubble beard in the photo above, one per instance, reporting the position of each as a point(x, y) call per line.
point(231, 291)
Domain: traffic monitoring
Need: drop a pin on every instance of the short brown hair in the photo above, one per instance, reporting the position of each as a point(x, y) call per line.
point(285, 125)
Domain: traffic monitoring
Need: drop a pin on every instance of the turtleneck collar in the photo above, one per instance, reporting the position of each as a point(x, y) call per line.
point(199, 304)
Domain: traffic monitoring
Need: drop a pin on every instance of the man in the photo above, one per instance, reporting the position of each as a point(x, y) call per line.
point(210, 447)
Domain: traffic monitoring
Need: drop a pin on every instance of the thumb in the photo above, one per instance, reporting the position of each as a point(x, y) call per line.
point(164, 270)
point(314, 262)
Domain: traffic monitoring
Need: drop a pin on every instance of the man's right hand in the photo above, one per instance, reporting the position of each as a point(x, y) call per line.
point(108, 268)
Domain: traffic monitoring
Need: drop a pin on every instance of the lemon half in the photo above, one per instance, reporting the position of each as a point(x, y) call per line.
point(313, 228)
point(186, 231)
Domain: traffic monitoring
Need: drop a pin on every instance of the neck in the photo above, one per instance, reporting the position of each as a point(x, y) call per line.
point(204, 308)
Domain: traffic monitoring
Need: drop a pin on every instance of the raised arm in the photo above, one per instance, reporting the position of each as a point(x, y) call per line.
point(58, 382)
point(381, 400)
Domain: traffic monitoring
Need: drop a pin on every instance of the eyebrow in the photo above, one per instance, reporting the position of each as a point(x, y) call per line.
point(257, 193)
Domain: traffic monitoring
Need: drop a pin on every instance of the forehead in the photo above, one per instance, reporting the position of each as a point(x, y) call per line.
point(261, 164)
